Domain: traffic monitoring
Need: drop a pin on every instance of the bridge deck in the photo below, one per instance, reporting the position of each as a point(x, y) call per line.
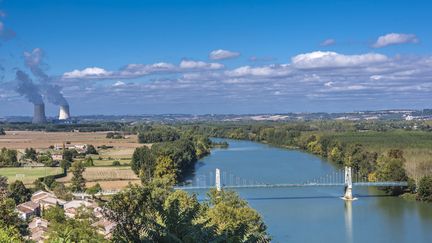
point(357, 184)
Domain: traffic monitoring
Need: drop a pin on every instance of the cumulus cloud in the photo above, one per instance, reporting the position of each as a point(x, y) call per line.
point(91, 72)
point(223, 54)
point(394, 39)
point(320, 59)
point(315, 76)
point(141, 70)
point(328, 42)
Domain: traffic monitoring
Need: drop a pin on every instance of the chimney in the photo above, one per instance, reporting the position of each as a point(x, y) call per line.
point(64, 112)
point(39, 113)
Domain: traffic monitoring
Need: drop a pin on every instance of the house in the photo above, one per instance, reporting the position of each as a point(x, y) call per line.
point(46, 199)
point(28, 209)
point(71, 207)
point(38, 228)
point(57, 157)
point(105, 227)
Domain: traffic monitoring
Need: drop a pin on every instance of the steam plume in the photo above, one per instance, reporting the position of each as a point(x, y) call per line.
point(27, 88)
point(33, 60)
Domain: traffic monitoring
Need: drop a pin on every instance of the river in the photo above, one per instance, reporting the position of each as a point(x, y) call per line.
point(316, 214)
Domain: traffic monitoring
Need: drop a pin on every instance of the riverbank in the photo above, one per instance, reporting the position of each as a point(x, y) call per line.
point(293, 213)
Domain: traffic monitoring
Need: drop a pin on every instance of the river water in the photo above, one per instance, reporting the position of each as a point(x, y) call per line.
point(316, 214)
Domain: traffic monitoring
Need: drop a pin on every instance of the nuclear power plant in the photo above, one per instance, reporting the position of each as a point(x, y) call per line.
point(39, 114)
point(64, 113)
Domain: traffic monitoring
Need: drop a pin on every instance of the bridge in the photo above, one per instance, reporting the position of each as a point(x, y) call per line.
point(340, 178)
point(345, 178)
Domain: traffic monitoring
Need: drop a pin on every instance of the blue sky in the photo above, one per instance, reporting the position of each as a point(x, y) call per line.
point(140, 57)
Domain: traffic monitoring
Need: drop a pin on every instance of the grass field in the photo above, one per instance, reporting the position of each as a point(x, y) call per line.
point(27, 174)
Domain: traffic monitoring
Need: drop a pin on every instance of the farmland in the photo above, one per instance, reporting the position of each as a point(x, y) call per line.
point(110, 177)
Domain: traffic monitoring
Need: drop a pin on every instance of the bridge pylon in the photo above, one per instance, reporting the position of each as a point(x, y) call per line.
point(218, 180)
point(348, 184)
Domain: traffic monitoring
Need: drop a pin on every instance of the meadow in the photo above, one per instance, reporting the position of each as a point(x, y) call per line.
point(28, 174)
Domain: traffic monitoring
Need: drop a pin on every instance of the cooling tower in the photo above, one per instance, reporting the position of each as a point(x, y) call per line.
point(39, 113)
point(64, 112)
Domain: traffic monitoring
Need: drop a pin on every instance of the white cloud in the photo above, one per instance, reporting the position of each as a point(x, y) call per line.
point(92, 72)
point(119, 84)
point(189, 64)
point(223, 54)
point(264, 71)
point(319, 59)
point(328, 42)
point(394, 39)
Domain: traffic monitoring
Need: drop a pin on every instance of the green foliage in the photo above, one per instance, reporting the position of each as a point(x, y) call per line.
point(166, 169)
point(116, 163)
point(94, 189)
point(9, 217)
point(18, 192)
point(30, 153)
point(74, 230)
point(424, 192)
point(61, 191)
point(390, 167)
point(150, 213)
point(91, 149)
point(233, 219)
point(8, 157)
point(88, 162)
point(114, 135)
point(10, 235)
point(4, 191)
point(142, 163)
point(2, 131)
point(158, 134)
point(54, 215)
point(46, 159)
point(78, 181)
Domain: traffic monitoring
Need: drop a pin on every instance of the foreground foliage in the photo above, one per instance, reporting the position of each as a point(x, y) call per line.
point(152, 213)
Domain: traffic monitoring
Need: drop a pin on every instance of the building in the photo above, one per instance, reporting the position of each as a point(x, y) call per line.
point(105, 227)
point(71, 207)
point(38, 228)
point(28, 209)
point(46, 200)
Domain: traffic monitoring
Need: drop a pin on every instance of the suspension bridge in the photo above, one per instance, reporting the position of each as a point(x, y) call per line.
point(346, 178)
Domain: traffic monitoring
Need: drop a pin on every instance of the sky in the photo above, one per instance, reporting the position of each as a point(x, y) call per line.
point(226, 56)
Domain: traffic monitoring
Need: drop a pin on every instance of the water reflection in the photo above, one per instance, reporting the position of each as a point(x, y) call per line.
point(348, 221)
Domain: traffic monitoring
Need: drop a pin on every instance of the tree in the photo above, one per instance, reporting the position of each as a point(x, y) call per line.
point(424, 192)
point(234, 220)
point(134, 211)
point(2, 131)
point(30, 153)
point(54, 215)
point(390, 167)
point(10, 234)
point(8, 157)
point(9, 217)
point(88, 162)
point(143, 162)
point(94, 189)
point(165, 168)
point(18, 192)
point(91, 150)
point(78, 181)
point(73, 230)
point(4, 192)
point(62, 192)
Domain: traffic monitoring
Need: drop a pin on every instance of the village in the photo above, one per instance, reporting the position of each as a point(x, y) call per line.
point(41, 201)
